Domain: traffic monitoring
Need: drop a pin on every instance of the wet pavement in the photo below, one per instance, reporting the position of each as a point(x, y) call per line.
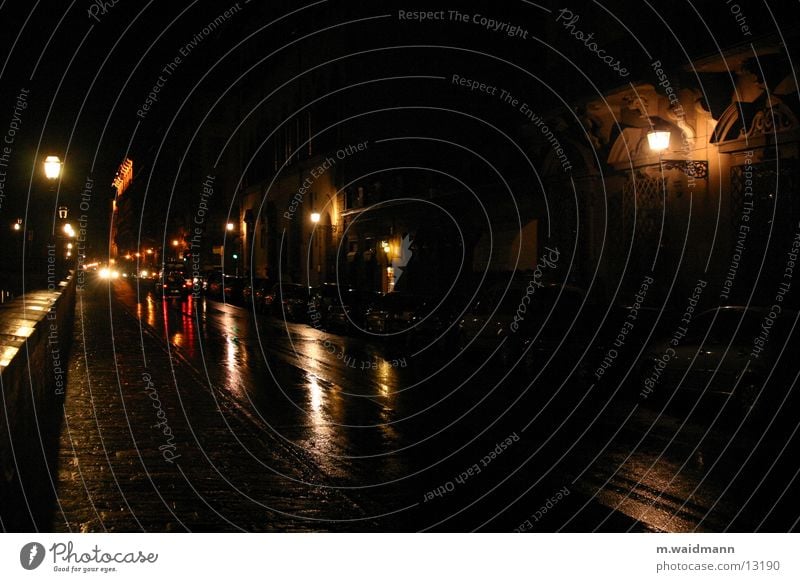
point(202, 416)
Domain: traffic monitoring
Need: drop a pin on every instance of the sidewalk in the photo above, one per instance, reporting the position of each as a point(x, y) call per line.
point(145, 447)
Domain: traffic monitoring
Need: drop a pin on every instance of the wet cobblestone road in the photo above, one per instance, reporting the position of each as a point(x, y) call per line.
point(200, 416)
point(146, 445)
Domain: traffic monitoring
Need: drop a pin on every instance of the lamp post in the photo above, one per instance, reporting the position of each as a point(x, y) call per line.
point(326, 219)
point(322, 244)
point(13, 262)
point(53, 167)
point(658, 140)
point(235, 240)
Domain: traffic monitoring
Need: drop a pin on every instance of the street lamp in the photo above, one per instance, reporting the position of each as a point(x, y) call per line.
point(229, 226)
point(69, 231)
point(658, 140)
point(175, 242)
point(52, 167)
point(17, 225)
point(315, 217)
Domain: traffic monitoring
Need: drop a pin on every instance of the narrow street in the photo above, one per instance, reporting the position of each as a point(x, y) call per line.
point(201, 416)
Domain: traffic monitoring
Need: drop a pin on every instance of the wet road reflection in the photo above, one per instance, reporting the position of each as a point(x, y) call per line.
point(286, 374)
point(377, 421)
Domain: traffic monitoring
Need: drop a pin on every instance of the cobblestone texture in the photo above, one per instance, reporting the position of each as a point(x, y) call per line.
point(228, 473)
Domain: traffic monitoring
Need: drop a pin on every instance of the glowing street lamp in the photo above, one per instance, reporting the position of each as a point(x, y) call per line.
point(658, 140)
point(229, 226)
point(52, 167)
point(69, 231)
point(175, 242)
point(315, 217)
point(17, 225)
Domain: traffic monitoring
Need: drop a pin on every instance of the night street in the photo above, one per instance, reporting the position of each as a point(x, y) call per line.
point(362, 272)
point(273, 432)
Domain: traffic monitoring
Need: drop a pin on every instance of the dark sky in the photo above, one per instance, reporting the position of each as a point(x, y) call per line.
point(89, 69)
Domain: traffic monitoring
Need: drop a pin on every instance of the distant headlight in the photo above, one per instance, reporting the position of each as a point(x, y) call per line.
point(105, 273)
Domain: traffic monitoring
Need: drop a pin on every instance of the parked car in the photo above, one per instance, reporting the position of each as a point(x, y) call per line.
point(213, 284)
point(321, 298)
point(233, 288)
point(396, 312)
point(173, 283)
point(147, 279)
point(227, 288)
point(620, 344)
point(288, 301)
point(727, 355)
point(508, 317)
point(254, 291)
point(347, 313)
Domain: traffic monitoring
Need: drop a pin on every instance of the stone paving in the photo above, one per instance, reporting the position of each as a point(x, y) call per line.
point(146, 445)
